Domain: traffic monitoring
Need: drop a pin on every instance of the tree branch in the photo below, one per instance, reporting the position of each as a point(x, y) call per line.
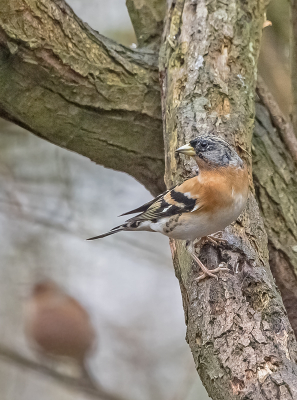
point(74, 383)
point(237, 328)
point(75, 88)
point(147, 19)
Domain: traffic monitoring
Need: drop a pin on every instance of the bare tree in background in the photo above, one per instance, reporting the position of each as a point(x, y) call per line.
point(77, 89)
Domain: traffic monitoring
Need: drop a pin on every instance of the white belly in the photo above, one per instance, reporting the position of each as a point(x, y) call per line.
point(190, 226)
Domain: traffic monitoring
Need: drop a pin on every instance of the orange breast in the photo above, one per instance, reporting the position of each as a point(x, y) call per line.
point(217, 189)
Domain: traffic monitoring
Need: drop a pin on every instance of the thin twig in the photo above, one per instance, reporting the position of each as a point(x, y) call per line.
point(75, 383)
point(279, 120)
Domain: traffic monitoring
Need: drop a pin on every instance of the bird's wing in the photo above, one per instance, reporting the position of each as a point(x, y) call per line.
point(145, 206)
point(180, 199)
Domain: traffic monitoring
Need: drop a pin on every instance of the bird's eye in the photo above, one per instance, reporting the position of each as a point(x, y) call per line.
point(203, 144)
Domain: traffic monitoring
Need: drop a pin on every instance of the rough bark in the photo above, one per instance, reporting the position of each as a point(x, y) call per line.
point(69, 85)
point(237, 328)
point(79, 90)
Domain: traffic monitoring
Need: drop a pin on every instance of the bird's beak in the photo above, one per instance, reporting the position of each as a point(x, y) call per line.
point(187, 149)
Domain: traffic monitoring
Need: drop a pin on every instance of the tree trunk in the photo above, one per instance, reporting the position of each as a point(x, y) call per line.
point(237, 328)
point(104, 103)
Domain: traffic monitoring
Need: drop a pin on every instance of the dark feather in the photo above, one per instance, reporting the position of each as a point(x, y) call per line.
point(111, 232)
point(160, 208)
point(145, 206)
point(187, 203)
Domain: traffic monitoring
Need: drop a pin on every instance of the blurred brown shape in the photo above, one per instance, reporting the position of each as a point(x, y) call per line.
point(57, 324)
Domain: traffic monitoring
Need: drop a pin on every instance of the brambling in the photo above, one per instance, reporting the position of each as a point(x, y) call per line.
point(58, 326)
point(200, 206)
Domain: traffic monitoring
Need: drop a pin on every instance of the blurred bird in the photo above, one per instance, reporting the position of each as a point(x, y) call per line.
point(200, 206)
point(58, 326)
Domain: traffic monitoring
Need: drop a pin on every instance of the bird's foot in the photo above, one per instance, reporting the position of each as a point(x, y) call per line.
point(211, 272)
point(207, 272)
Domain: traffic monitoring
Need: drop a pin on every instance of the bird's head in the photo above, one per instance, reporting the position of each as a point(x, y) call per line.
point(211, 151)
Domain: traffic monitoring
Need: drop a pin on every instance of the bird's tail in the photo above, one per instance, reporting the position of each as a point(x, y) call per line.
point(111, 232)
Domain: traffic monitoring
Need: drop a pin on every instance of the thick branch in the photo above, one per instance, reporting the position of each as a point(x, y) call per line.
point(74, 383)
point(79, 90)
point(237, 328)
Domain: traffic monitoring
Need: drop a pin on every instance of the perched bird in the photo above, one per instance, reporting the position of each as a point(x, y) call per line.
point(200, 206)
point(57, 325)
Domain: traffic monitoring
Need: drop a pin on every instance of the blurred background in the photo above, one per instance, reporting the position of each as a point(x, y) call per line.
point(51, 200)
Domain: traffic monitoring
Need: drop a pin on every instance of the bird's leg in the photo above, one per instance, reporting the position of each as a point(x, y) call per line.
point(212, 239)
point(216, 239)
point(206, 271)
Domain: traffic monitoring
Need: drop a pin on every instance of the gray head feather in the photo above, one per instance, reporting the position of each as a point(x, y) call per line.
point(215, 151)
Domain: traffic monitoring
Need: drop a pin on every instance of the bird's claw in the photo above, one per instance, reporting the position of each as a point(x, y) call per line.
point(214, 240)
point(211, 272)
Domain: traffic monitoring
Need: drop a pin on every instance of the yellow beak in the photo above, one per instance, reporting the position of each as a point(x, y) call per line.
point(187, 149)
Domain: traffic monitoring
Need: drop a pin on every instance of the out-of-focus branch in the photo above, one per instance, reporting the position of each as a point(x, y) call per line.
point(285, 127)
point(294, 62)
point(74, 383)
point(275, 180)
point(273, 67)
point(147, 19)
